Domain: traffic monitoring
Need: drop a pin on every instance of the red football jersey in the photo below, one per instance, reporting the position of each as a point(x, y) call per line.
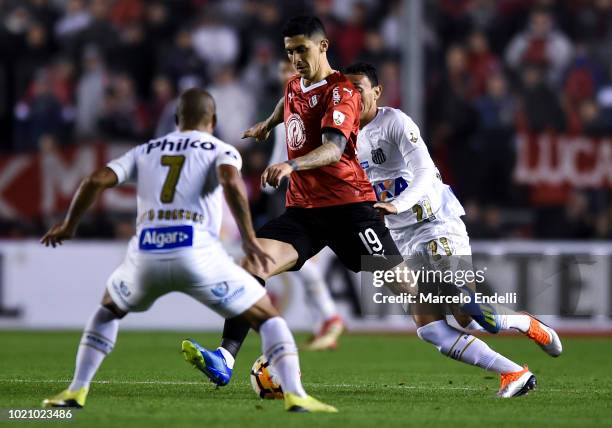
point(331, 103)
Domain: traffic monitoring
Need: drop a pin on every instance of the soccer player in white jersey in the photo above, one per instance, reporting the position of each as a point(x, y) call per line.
point(181, 179)
point(424, 218)
point(328, 324)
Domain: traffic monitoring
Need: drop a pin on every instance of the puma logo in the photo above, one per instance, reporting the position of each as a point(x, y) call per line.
point(350, 91)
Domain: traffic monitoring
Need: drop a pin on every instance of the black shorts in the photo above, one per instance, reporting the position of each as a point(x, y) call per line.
point(351, 231)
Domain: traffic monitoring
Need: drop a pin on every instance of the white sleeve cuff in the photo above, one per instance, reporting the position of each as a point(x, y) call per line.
point(119, 170)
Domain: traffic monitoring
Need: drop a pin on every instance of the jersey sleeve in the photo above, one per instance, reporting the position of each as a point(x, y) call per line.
point(228, 155)
point(125, 166)
point(342, 110)
point(406, 134)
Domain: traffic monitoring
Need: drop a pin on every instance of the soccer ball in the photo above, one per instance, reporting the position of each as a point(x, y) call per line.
point(262, 380)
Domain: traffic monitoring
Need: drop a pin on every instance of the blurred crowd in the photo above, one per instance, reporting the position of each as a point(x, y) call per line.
point(81, 71)
point(498, 68)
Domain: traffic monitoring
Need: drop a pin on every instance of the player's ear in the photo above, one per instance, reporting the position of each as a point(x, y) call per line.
point(323, 45)
point(378, 90)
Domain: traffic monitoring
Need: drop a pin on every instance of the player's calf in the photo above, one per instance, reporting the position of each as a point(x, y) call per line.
point(97, 342)
point(464, 347)
point(279, 347)
point(277, 343)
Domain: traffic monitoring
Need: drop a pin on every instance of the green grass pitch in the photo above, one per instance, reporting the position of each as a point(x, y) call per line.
point(374, 380)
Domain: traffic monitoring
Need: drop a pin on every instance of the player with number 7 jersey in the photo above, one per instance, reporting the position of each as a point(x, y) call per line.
point(173, 190)
point(181, 180)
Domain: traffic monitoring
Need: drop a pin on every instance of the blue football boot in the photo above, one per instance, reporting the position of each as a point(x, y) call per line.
point(211, 363)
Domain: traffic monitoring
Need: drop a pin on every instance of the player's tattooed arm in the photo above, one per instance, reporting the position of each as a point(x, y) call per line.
point(235, 194)
point(334, 143)
point(87, 193)
point(260, 131)
point(328, 153)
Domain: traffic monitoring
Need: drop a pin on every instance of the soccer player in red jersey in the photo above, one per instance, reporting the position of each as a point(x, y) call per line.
point(330, 201)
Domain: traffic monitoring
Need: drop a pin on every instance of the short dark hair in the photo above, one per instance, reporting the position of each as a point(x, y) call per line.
point(305, 25)
point(365, 69)
point(195, 106)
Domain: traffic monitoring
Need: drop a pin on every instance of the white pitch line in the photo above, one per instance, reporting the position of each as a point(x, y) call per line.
point(332, 385)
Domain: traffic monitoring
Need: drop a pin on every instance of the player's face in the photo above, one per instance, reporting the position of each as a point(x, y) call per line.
point(369, 94)
point(306, 54)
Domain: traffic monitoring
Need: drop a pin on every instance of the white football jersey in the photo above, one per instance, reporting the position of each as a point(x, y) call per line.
point(179, 197)
point(279, 152)
point(392, 152)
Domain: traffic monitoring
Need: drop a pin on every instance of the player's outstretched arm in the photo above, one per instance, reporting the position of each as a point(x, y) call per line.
point(260, 131)
point(328, 153)
point(87, 193)
point(236, 197)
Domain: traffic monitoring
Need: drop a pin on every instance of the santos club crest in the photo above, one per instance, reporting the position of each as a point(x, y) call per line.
point(296, 132)
point(378, 156)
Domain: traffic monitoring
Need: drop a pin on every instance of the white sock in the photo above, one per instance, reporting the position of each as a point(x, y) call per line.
point(465, 347)
point(279, 348)
point(514, 320)
point(97, 341)
point(318, 297)
point(229, 358)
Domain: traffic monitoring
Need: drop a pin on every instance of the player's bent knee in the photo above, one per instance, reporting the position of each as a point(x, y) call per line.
point(109, 303)
point(260, 312)
point(115, 309)
point(423, 320)
point(255, 320)
point(285, 257)
point(438, 333)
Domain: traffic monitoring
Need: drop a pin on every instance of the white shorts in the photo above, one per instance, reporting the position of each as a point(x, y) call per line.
point(208, 275)
point(433, 243)
point(438, 246)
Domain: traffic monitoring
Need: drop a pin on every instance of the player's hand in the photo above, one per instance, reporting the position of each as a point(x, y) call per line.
point(256, 255)
point(57, 235)
point(274, 174)
point(259, 131)
point(385, 208)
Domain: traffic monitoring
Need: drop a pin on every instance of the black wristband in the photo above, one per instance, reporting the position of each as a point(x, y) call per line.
point(293, 164)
